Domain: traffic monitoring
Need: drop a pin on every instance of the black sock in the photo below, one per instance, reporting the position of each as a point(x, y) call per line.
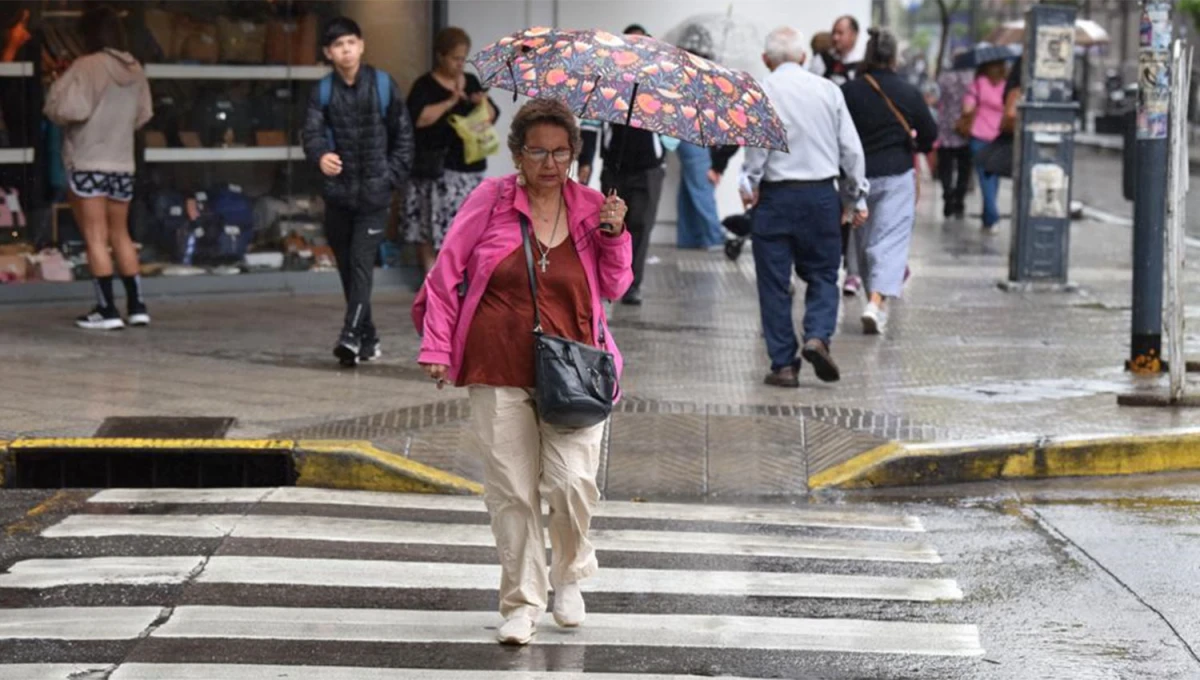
point(133, 290)
point(104, 291)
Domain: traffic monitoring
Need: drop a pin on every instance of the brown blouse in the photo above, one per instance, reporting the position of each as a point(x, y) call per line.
point(499, 351)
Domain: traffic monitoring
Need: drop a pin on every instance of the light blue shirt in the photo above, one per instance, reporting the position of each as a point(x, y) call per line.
point(821, 136)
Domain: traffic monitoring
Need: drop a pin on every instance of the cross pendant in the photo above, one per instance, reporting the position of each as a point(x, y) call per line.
point(543, 263)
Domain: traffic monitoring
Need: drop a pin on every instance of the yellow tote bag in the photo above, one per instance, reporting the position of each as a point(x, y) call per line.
point(476, 131)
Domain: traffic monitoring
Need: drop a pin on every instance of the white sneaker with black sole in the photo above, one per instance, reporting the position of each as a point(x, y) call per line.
point(100, 319)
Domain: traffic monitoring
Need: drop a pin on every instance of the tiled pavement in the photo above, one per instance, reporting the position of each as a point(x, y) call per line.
point(962, 361)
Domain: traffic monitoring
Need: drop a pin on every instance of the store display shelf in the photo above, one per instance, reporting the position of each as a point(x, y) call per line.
point(16, 156)
point(16, 69)
point(235, 154)
point(233, 72)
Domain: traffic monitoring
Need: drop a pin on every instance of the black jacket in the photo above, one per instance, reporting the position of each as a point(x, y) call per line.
point(376, 152)
point(641, 149)
point(888, 148)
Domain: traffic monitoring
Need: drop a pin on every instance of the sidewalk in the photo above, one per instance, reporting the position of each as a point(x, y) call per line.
point(963, 365)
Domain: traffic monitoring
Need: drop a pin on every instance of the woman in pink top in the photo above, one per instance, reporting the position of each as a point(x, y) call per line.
point(480, 279)
point(984, 102)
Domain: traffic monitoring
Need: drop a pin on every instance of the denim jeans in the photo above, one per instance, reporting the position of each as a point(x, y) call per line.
point(797, 227)
point(989, 185)
point(699, 224)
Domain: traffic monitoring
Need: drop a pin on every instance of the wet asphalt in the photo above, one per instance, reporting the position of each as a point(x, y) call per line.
point(1065, 579)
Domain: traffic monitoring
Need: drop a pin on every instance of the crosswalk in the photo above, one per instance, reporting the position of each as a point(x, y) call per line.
point(250, 584)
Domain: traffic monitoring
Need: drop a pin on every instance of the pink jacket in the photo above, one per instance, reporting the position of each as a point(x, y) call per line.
point(487, 230)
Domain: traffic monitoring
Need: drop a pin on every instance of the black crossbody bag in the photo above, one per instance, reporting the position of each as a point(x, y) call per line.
point(574, 383)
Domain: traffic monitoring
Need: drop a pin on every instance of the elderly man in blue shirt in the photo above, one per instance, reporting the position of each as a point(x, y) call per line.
point(797, 208)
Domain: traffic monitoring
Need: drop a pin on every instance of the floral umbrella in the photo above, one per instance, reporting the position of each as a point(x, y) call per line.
point(636, 81)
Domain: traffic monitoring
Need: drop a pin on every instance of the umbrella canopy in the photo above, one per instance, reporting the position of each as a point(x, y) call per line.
point(736, 40)
point(1087, 33)
point(636, 81)
point(984, 53)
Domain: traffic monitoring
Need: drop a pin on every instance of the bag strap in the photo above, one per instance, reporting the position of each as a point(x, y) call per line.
point(890, 104)
point(525, 237)
point(383, 92)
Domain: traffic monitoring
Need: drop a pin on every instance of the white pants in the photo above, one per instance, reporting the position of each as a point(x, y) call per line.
point(527, 461)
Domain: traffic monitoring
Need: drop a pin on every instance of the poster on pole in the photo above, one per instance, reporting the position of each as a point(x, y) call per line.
point(1055, 53)
point(1154, 96)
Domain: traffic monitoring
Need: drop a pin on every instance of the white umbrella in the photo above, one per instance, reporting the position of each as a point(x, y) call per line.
point(1087, 33)
point(737, 42)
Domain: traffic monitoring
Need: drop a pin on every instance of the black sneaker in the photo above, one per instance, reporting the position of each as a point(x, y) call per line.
point(347, 348)
point(633, 298)
point(138, 316)
point(101, 319)
point(369, 351)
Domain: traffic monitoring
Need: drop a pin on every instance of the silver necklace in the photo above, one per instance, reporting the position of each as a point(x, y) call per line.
point(544, 260)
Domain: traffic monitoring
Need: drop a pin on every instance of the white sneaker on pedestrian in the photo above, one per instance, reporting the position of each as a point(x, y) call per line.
point(569, 610)
point(518, 630)
point(874, 319)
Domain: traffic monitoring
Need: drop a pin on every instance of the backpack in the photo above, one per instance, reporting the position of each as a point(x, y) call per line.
point(383, 90)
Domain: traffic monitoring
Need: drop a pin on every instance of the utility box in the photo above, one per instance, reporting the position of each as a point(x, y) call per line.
point(1045, 148)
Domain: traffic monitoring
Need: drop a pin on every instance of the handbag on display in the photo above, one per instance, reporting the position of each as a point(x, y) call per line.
point(477, 133)
point(574, 383)
point(242, 41)
point(196, 40)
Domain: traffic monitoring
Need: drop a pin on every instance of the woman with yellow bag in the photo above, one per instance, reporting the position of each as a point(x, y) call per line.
point(453, 117)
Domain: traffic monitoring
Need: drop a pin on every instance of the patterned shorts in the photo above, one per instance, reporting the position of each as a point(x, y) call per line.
point(431, 204)
point(116, 186)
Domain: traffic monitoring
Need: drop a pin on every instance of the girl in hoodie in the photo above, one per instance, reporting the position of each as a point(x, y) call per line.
point(100, 101)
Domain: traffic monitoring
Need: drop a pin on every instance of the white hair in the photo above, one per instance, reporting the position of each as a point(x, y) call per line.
point(785, 44)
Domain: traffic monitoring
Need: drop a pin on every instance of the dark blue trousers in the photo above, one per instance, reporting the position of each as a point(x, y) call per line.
point(800, 227)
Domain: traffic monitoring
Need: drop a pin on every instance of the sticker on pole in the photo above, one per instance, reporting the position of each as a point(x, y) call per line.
point(1055, 53)
point(1154, 93)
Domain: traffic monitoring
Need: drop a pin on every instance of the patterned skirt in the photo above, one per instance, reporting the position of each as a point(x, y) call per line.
point(431, 204)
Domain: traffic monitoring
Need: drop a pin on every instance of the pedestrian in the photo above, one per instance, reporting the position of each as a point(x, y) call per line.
point(797, 212)
point(953, 149)
point(893, 122)
point(441, 176)
point(357, 131)
point(698, 224)
point(844, 66)
point(637, 176)
point(841, 67)
point(479, 291)
point(984, 105)
point(100, 101)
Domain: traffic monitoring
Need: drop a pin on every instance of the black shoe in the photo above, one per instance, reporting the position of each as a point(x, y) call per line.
point(347, 348)
point(101, 319)
point(369, 351)
point(816, 353)
point(138, 316)
point(632, 297)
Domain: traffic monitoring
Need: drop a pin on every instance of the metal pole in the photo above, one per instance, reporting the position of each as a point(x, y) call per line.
point(1150, 200)
point(1181, 62)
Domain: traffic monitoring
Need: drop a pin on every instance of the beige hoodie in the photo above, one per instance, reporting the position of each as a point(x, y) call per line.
point(100, 102)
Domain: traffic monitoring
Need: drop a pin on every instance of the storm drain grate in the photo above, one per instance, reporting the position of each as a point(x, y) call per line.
point(164, 427)
point(117, 468)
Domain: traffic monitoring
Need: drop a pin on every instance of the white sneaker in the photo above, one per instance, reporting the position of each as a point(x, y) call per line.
point(874, 319)
point(518, 630)
point(569, 610)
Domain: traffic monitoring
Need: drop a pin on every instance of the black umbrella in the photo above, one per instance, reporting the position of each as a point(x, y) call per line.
point(984, 53)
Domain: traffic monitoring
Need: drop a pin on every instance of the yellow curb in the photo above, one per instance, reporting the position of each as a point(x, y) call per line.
point(910, 465)
point(360, 465)
point(341, 464)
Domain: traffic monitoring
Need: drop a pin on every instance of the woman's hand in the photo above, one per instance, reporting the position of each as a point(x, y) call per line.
point(613, 213)
point(437, 372)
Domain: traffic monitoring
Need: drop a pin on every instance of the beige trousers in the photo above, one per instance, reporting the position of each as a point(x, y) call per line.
point(528, 461)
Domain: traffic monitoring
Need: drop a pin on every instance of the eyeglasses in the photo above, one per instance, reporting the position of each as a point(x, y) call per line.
point(560, 156)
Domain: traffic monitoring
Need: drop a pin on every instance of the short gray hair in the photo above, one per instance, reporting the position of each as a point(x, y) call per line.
point(785, 44)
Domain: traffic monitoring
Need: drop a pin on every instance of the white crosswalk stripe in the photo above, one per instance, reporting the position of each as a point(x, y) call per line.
point(385, 531)
point(277, 574)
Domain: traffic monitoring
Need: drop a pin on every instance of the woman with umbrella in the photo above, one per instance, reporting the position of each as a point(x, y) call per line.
point(982, 112)
point(476, 309)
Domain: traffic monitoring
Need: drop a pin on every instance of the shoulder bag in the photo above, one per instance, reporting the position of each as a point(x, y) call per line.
point(908, 131)
point(574, 383)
